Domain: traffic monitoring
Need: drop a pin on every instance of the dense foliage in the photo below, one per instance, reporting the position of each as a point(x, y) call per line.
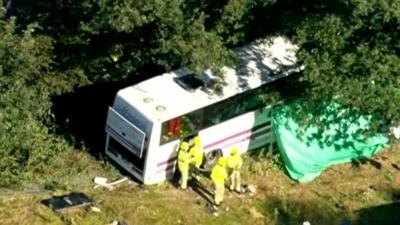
point(351, 50)
point(353, 54)
point(25, 86)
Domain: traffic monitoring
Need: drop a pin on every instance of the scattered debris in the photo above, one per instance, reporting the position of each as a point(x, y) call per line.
point(118, 181)
point(65, 202)
point(95, 209)
point(102, 182)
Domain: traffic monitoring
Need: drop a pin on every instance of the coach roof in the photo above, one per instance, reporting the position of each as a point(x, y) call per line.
point(172, 94)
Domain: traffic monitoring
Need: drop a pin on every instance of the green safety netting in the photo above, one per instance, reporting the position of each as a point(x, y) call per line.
point(307, 150)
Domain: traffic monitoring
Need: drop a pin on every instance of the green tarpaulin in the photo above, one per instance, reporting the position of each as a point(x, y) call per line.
point(307, 150)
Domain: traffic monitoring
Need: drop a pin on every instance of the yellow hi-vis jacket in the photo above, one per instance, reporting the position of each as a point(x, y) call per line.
point(196, 154)
point(234, 162)
point(183, 158)
point(219, 174)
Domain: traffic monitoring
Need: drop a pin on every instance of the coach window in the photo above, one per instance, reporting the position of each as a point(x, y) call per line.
point(192, 123)
point(170, 130)
point(251, 101)
point(220, 112)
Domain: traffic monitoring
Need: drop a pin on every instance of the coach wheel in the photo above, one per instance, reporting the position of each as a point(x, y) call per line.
point(211, 158)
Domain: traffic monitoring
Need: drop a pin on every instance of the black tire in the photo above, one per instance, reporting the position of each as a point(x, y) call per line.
point(211, 158)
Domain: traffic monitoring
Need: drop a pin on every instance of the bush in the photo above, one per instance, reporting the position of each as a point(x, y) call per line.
point(26, 84)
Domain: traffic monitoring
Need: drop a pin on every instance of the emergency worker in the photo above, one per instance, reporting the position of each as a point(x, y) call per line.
point(183, 164)
point(196, 152)
point(234, 163)
point(218, 176)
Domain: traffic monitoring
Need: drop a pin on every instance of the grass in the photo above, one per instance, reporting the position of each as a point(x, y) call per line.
point(362, 194)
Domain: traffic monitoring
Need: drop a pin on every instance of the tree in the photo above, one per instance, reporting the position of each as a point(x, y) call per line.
point(353, 56)
point(26, 84)
point(111, 40)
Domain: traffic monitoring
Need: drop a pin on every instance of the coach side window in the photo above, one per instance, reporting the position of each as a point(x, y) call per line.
point(182, 126)
point(232, 107)
point(192, 123)
point(170, 130)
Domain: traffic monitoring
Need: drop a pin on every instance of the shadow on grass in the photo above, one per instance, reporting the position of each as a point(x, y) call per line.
point(295, 212)
point(380, 215)
point(196, 186)
point(365, 160)
point(202, 191)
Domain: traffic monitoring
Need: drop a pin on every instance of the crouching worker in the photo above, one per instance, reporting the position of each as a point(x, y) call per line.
point(218, 176)
point(183, 164)
point(234, 163)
